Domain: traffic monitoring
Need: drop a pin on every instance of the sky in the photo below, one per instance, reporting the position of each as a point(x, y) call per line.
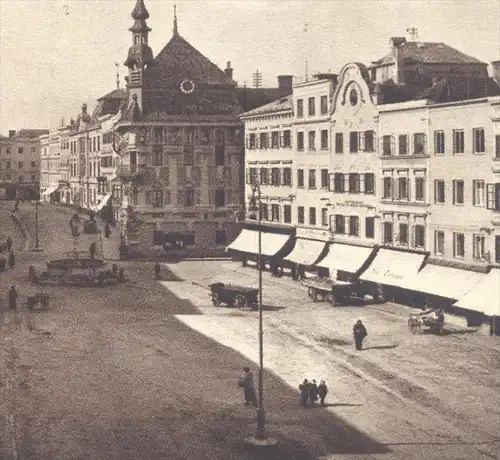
point(56, 55)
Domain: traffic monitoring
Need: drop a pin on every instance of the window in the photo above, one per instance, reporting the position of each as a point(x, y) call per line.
point(324, 105)
point(220, 237)
point(338, 183)
point(354, 183)
point(403, 144)
point(263, 140)
point(403, 188)
point(157, 198)
point(370, 183)
point(20, 150)
point(339, 142)
point(458, 141)
point(275, 212)
point(419, 236)
point(312, 178)
point(287, 176)
point(300, 214)
point(251, 141)
point(220, 198)
point(312, 216)
point(439, 142)
point(220, 154)
point(493, 196)
point(300, 178)
point(339, 224)
point(275, 176)
point(387, 149)
point(324, 178)
point(300, 140)
point(419, 189)
point(387, 185)
point(388, 233)
point(369, 141)
point(439, 242)
point(189, 198)
point(403, 234)
point(300, 108)
point(312, 140)
point(497, 146)
point(458, 245)
point(458, 192)
point(324, 139)
point(287, 213)
point(353, 142)
point(287, 138)
point(157, 156)
point(497, 249)
point(369, 227)
point(439, 191)
point(264, 176)
point(354, 226)
point(263, 211)
point(275, 140)
point(478, 136)
point(324, 217)
point(20, 164)
point(478, 197)
point(252, 175)
point(8, 165)
point(419, 144)
point(478, 244)
point(311, 106)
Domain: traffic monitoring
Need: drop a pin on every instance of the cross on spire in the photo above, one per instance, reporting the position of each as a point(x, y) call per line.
point(176, 30)
point(413, 31)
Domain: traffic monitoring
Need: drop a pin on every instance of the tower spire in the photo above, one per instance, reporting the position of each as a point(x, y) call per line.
point(176, 30)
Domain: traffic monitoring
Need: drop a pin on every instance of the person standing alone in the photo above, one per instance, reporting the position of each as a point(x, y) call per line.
point(322, 392)
point(359, 332)
point(13, 295)
point(246, 382)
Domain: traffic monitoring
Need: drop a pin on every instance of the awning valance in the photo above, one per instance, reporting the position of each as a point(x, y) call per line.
point(392, 267)
point(484, 296)
point(345, 257)
point(49, 190)
point(452, 283)
point(103, 202)
point(306, 252)
point(248, 241)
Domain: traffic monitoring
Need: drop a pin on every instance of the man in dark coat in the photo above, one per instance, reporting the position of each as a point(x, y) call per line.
point(107, 231)
point(304, 392)
point(13, 295)
point(246, 382)
point(157, 270)
point(359, 332)
point(322, 392)
point(313, 392)
point(92, 250)
point(9, 243)
point(12, 259)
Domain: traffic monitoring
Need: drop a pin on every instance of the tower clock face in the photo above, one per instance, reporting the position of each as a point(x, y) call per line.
point(187, 86)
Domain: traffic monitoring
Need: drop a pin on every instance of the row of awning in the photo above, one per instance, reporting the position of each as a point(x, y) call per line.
point(49, 190)
point(474, 291)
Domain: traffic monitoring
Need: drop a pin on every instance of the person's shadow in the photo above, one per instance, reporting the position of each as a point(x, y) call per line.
point(381, 347)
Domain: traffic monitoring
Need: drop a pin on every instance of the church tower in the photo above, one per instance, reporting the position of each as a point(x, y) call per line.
point(140, 55)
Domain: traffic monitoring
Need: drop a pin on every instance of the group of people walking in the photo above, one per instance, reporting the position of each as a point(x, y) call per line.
point(310, 392)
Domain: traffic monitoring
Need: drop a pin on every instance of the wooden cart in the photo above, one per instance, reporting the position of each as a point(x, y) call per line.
point(233, 295)
point(333, 291)
point(432, 319)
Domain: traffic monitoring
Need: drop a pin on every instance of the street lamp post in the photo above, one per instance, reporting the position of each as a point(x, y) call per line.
point(37, 242)
point(260, 438)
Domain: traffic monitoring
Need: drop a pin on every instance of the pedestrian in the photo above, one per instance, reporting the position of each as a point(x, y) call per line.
point(304, 393)
point(107, 231)
point(322, 392)
point(157, 270)
point(246, 382)
point(359, 332)
point(12, 259)
point(92, 250)
point(13, 295)
point(9, 243)
point(313, 392)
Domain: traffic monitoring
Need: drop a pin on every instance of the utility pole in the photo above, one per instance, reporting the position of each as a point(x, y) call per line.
point(117, 75)
point(257, 79)
point(413, 31)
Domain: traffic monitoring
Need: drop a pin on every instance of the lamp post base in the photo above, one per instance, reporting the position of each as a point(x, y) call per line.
point(260, 442)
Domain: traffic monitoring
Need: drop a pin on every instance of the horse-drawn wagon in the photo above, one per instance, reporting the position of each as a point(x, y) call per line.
point(335, 292)
point(432, 319)
point(233, 295)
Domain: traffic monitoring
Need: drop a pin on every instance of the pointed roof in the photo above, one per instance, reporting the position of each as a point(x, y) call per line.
point(140, 12)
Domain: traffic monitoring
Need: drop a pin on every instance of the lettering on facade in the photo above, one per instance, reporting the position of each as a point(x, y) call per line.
point(353, 204)
point(388, 274)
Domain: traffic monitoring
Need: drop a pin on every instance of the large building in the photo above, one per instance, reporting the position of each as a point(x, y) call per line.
point(181, 144)
point(20, 163)
point(409, 184)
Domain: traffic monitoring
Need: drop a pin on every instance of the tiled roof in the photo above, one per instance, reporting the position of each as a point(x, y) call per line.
point(109, 103)
point(30, 133)
point(115, 94)
point(450, 89)
point(284, 103)
point(429, 52)
point(252, 98)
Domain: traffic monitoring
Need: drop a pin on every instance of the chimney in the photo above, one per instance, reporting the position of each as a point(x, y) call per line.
point(285, 82)
point(84, 109)
point(12, 132)
point(397, 43)
point(229, 70)
point(496, 71)
point(377, 95)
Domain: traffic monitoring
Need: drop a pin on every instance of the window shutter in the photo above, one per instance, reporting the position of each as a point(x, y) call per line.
point(393, 145)
point(361, 141)
point(331, 182)
point(342, 183)
point(408, 189)
point(345, 180)
point(393, 189)
point(281, 177)
point(490, 196)
point(361, 183)
point(282, 139)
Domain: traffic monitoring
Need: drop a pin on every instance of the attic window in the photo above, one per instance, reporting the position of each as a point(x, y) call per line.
point(353, 97)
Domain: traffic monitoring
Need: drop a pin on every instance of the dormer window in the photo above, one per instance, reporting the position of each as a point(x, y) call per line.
point(137, 39)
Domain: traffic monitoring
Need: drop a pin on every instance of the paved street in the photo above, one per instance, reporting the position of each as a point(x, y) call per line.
point(114, 374)
point(415, 394)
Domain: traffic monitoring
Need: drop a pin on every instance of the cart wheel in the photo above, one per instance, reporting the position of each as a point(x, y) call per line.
point(414, 326)
point(240, 301)
point(216, 299)
point(330, 298)
point(310, 292)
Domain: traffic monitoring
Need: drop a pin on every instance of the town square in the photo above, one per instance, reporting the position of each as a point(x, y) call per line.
point(227, 232)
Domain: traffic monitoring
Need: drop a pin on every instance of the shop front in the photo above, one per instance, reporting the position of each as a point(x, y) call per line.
point(345, 260)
